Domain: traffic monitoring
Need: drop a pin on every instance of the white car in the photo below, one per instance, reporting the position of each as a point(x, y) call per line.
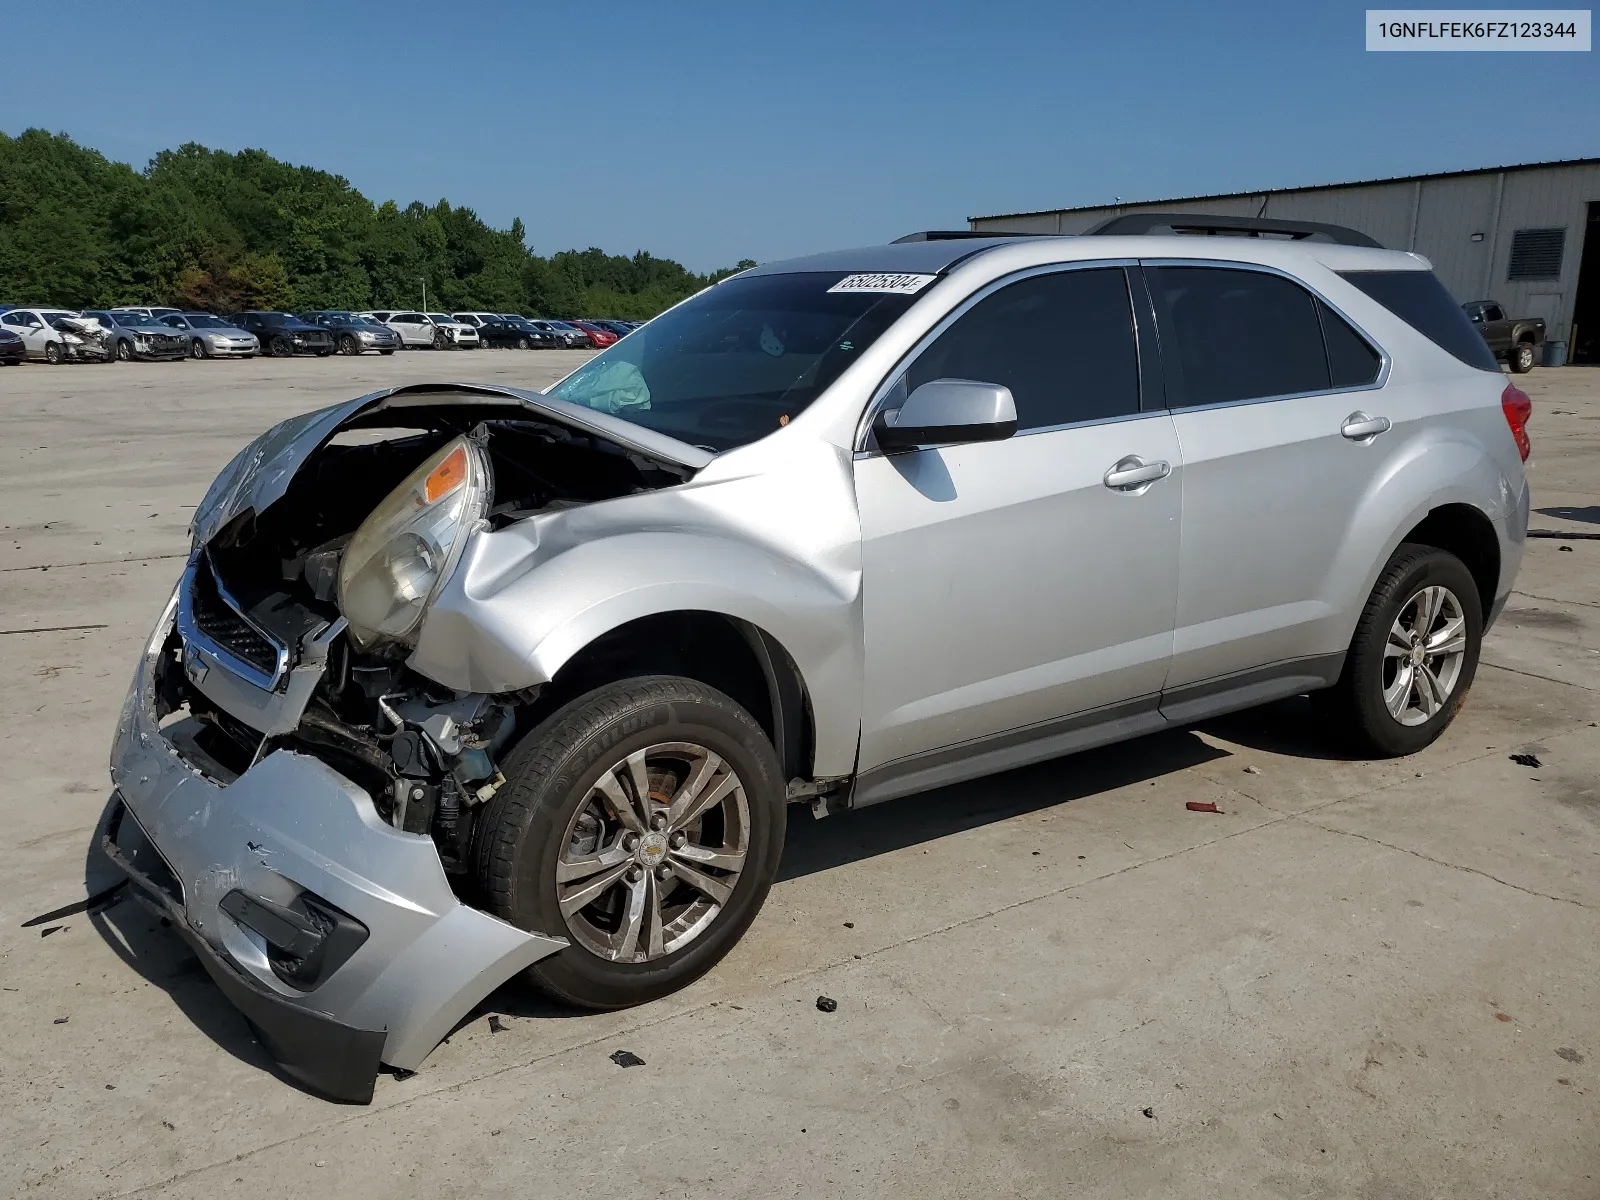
point(462, 335)
point(58, 334)
point(476, 319)
point(414, 328)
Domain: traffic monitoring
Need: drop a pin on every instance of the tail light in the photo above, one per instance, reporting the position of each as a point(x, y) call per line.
point(1518, 408)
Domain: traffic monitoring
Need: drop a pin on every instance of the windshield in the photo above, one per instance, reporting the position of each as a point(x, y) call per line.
point(205, 321)
point(736, 362)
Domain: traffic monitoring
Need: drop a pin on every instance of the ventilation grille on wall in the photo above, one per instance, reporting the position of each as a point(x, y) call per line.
point(1536, 253)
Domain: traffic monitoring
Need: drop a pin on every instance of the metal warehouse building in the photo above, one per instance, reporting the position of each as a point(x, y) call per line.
point(1525, 236)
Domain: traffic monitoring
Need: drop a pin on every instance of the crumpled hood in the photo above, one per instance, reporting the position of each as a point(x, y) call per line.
point(261, 473)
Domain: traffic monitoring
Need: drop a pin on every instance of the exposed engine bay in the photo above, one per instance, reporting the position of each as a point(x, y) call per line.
point(266, 589)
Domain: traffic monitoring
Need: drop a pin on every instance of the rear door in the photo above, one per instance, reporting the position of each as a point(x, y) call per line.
point(1007, 585)
point(413, 328)
point(1280, 409)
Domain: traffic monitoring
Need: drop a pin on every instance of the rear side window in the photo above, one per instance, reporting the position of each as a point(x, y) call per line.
point(1229, 335)
point(1421, 301)
point(1062, 342)
point(1351, 360)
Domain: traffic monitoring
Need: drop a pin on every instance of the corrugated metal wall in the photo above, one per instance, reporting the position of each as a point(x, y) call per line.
point(1436, 217)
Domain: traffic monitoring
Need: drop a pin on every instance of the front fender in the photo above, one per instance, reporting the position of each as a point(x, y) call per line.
point(528, 598)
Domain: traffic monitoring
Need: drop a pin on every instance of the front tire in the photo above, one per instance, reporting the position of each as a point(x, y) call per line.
point(1522, 358)
point(52, 353)
point(644, 821)
point(349, 345)
point(125, 351)
point(441, 340)
point(1413, 657)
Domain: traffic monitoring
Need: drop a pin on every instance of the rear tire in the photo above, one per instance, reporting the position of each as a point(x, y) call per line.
point(1400, 689)
point(1522, 358)
point(553, 810)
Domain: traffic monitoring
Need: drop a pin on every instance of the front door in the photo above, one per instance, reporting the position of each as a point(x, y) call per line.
point(1007, 585)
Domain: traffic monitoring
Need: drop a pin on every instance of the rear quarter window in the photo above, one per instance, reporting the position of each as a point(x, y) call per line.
point(1421, 301)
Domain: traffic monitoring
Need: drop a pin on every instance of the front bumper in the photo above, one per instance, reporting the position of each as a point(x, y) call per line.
point(233, 349)
point(289, 828)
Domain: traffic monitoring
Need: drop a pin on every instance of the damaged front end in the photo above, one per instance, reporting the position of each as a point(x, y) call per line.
point(290, 790)
point(84, 339)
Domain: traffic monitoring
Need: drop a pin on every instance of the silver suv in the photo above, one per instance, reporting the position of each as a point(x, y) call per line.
point(462, 682)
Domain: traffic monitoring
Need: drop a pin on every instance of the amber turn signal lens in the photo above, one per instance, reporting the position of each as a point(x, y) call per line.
point(447, 476)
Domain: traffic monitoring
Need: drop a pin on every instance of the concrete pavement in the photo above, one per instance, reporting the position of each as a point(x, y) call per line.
point(1361, 979)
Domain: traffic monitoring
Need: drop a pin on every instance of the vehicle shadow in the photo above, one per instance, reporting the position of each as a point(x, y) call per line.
point(159, 956)
point(853, 835)
point(1287, 727)
point(1589, 514)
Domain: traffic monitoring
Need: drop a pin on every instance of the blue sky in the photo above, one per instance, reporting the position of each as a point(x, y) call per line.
point(710, 132)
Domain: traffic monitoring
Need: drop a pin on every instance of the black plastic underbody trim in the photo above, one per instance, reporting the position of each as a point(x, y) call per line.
point(334, 1060)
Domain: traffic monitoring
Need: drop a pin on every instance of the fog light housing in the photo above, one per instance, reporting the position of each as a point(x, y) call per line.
point(307, 939)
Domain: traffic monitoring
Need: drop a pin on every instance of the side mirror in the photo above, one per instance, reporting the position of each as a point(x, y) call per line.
point(945, 411)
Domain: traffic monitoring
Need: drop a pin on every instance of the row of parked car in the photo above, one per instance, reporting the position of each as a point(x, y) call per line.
point(56, 335)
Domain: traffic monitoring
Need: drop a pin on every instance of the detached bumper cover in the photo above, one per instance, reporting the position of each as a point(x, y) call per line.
point(292, 825)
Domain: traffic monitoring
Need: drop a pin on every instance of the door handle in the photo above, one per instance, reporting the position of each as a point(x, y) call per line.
point(1359, 427)
point(1133, 474)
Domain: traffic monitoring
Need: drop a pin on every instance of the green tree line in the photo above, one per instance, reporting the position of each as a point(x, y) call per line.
point(207, 229)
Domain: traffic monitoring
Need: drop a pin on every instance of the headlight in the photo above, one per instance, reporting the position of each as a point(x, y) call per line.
point(364, 335)
point(408, 546)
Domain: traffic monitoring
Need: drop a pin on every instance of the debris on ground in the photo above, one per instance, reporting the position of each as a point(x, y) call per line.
point(1565, 549)
point(496, 1025)
point(625, 1058)
point(1526, 760)
point(1203, 806)
point(170, 1126)
point(1500, 1016)
point(61, 1020)
point(826, 1004)
point(49, 929)
point(1252, 770)
point(1149, 1112)
point(849, 924)
point(93, 904)
point(1570, 1055)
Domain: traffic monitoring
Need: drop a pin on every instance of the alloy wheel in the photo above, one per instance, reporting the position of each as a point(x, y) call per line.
point(1423, 655)
point(651, 857)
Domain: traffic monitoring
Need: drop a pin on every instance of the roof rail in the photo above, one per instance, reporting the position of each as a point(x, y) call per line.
point(953, 235)
point(1299, 231)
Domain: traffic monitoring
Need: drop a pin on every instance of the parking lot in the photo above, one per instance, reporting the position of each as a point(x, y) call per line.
point(1358, 979)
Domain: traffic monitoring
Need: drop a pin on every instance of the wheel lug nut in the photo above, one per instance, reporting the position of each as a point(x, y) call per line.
point(659, 821)
point(663, 872)
point(631, 842)
point(635, 873)
point(678, 840)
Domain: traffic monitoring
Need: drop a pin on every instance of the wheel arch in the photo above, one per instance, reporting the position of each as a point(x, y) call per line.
point(732, 655)
point(1467, 532)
